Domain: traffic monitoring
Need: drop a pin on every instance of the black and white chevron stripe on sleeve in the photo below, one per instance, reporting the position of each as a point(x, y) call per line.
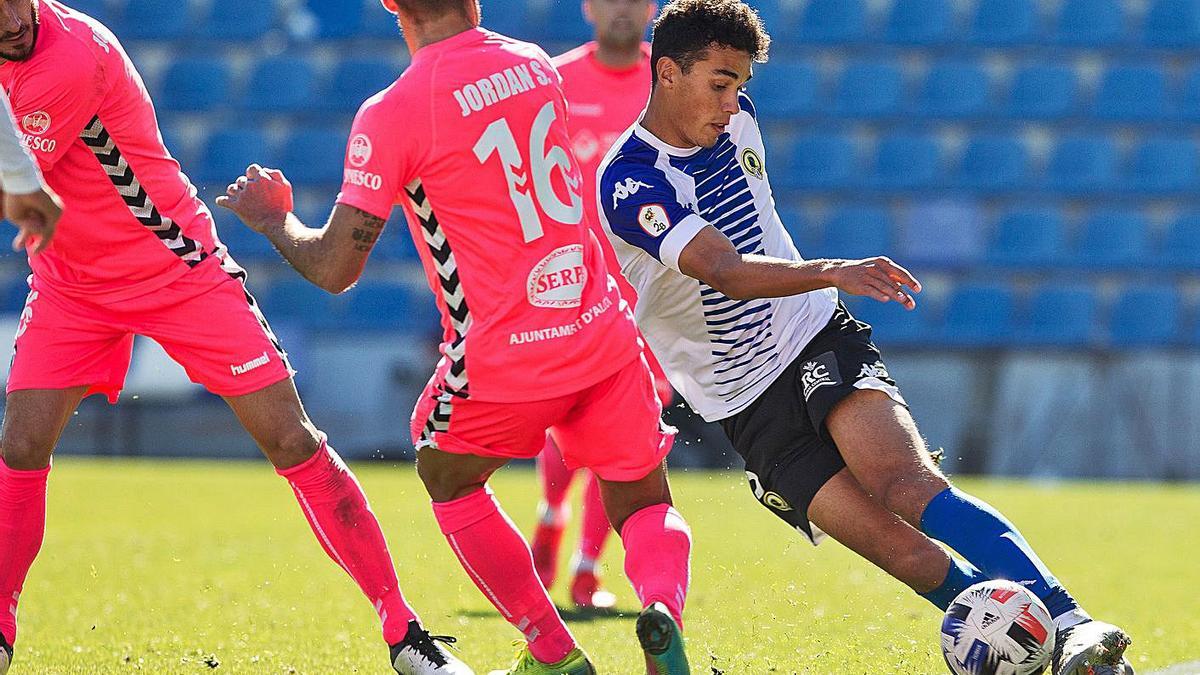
point(455, 384)
point(97, 138)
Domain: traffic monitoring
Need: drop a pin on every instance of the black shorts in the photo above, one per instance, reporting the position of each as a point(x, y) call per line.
point(782, 436)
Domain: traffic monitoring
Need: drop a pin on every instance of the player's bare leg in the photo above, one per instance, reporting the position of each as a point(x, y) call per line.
point(497, 559)
point(587, 591)
point(33, 421)
point(883, 449)
point(553, 511)
point(337, 510)
point(658, 546)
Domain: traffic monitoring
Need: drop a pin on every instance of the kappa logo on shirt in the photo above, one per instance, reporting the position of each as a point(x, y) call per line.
point(36, 123)
point(877, 370)
point(360, 150)
point(654, 220)
point(625, 189)
point(819, 372)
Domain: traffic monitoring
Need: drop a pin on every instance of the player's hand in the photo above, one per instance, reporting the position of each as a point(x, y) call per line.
point(36, 215)
point(878, 278)
point(262, 198)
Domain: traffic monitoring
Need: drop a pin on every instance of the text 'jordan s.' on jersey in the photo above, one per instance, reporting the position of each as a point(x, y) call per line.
point(718, 352)
point(472, 142)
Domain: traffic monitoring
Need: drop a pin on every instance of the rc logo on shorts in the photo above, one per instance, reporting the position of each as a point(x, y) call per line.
point(360, 150)
point(752, 163)
point(653, 219)
point(557, 281)
point(819, 372)
point(36, 123)
point(877, 370)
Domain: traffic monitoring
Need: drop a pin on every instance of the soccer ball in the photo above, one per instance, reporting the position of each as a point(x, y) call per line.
point(997, 628)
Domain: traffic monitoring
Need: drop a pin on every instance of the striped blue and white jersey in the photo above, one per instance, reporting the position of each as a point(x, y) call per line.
point(719, 353)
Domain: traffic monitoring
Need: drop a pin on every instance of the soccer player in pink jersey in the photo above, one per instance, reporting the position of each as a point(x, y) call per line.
point(136, 253)
point(606, 83)
point(471, 141)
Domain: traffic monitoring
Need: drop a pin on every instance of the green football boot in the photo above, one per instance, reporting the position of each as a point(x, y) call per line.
point(575, 663)
point(662, 642)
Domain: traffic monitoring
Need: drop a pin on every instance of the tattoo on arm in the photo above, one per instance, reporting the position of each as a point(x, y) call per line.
point(367, 232)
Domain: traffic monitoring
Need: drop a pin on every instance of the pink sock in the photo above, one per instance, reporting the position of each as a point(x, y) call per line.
point(22, 525)
point(658, 545)
point(555, 477)
point(338, 512)
point(595, 523)
point(499, 562)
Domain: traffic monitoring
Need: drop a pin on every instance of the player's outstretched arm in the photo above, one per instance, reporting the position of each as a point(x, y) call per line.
point(712, 258)
point(331, 257)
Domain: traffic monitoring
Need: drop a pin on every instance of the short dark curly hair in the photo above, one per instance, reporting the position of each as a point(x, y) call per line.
point(686, 29)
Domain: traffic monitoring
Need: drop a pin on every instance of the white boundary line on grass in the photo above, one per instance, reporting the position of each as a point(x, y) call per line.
point(1192, 668)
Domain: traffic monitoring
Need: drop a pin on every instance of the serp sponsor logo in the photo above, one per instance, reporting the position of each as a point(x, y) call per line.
point(557, 280)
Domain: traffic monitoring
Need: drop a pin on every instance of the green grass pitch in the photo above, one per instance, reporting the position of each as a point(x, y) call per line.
point(183, 567)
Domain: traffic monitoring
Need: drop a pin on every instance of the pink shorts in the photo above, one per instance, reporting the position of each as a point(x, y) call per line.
point(613, 428)
point(206, 321)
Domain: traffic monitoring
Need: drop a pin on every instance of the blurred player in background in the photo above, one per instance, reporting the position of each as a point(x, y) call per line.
point(136, 253)
point(28, 202)
point(754, 337)
point(472, 141)
point(606, 83)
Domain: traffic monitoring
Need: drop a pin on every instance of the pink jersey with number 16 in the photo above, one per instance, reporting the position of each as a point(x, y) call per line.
point(471, 141)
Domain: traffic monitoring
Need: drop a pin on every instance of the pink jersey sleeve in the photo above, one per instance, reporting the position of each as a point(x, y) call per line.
point(381, 156)
point(55, 99)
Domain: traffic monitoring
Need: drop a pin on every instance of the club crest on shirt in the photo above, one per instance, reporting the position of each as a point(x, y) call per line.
point(752, 163)
point(653, 219)
point(36, 123)
point(360, 150)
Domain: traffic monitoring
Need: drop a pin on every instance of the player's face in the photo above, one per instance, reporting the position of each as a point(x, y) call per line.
point(707, 96)
point(619, 23)
point(18, 29)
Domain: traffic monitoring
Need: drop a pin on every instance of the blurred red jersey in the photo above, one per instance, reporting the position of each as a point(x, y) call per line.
point(133, 223)
point(472, 142)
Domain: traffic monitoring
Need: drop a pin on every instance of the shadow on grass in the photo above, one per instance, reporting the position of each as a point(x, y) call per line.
point(572, 614)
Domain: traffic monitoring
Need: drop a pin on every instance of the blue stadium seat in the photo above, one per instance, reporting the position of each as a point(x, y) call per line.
point(1165, 164)
point(1028, 237)
point(821, 160)
point(833, 21)
point(1145, 316)
point(1181, 245)
point(510, 17)
point(314, 155)
point(1043, 91)
point(565, 22)
point(378, 305)
point(15, 293)
point(377, 23)
point(857, 232)
point(797, 226)
point(356, 79)
point(1113, 239)
point(1189, 103)
point(228, 152)
point(1004, 22)
point(869, 89)
point(281, 83)
point(297, 301)
point(239, 20)
point(1060, 316)
point(337, 20)
point(1083, 163)
point(978, 315)
point(993, 162)
point(243, 243)
point(892, 324)
point(396, 243)
point(195, 84)
point(919, 22)
point(1132, 92)
point(1173, 23)
point(1090, 23)
point(907, 160)
point(954, 89)
point(154, 20)
point(100, 10)
point(784, 89)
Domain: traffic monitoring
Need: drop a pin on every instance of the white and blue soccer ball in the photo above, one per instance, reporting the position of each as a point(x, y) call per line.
point(997, 628)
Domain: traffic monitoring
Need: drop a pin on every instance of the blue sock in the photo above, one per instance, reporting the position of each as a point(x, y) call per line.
point(984, 537)
point(961, 576)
